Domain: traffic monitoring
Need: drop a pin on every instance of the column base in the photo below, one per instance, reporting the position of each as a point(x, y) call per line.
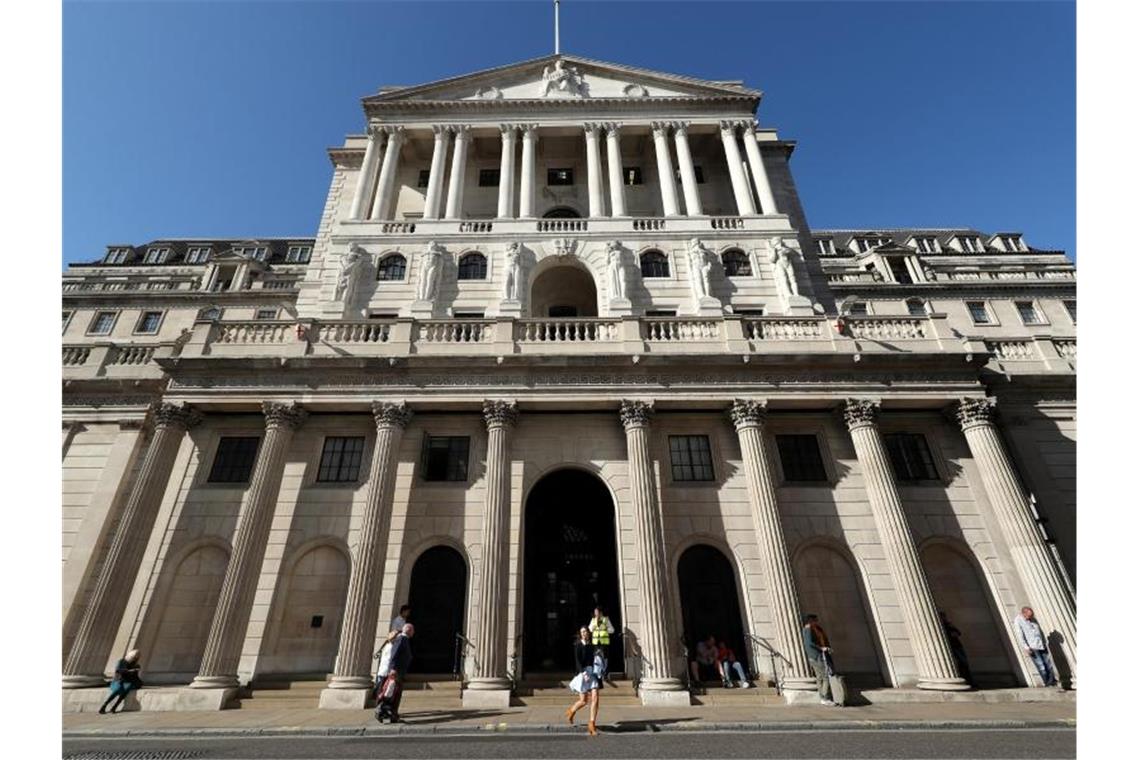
point(214, 682)
point(663, 692)
point(342, 698)
point(943, 684)
point(800, 696)
point(203, 698)
point(474, 696)
point(77, 700)
point(84, 681)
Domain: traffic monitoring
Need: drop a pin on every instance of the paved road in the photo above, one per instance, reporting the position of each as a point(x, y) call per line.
point(1038, 744)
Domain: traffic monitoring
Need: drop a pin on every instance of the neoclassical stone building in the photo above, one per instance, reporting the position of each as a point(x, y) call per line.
point(563, 338)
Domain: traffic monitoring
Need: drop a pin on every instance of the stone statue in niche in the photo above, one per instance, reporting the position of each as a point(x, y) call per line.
point(513, 272)
point(699, 269)
point(350, 266)
point(615, 270)
point(562, 79)
point(430, 262)
point(784, 270)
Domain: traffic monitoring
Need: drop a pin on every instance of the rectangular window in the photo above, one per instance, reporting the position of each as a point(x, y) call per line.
point(298, 254)
point(66, 319)
point(916, 307)
point(340, 460)
point(858, 309)
point(910, 457)
point(234, 459)
point(261, 253)
point(926, 244)
point(631, 175)
point(900, 271)
point(197, 255)
point(467, 315)
point(691, 457)
point(155, 255)
point(978, 312)
point(423, 178)
point(825, 246)
point(1071, 307)
point(867, 243)
point(559, 176)
point(661, 313)
point(800, 458)
point(102, 323)
point(1028, 313)
point(149, 322)
point(265, 314)
point(700, 175)
point(488, 178)
point(117, 255)
point(970, 244)
point(445, 458)
point(1012, 242)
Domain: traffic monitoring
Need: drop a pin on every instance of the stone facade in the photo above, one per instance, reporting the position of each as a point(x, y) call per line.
point(583, 271)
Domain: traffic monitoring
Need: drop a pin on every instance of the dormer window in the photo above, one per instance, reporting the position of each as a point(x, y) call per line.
point(970, 244)
point(926, 244)
point(298, 254)
point(825, 246)
point(117, 256)
point(199, 254)
point(258, 253)
point(156, 255)
point(865, 244)
point(1012, 242)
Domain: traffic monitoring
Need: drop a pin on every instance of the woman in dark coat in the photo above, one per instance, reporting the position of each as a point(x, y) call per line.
point(589, 662)
point(125, 681)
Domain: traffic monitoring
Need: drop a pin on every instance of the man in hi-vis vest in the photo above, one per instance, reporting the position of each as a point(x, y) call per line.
point(601, 629)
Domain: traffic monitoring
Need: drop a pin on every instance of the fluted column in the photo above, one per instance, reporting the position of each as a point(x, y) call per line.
point(358, 633)
point(386, 186)
point(759, 173)
point(594, 172)
point(1049, 596)
point(367, 177)
point(490, 666)
point(458, 170)
point(434, 194)
point(749, 417)
point(740, 189)
point(613, 161)
point(657, 636)
point(936, 668)
point(688, 173)
point(507, 173)
point(526, 181)
point(665, 169)
point(96, 634)
point(231, 617)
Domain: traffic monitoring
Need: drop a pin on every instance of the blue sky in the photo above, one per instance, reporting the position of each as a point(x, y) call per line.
point(211, 118)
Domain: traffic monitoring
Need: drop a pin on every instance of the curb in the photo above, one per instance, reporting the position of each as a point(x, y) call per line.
point(545, 729)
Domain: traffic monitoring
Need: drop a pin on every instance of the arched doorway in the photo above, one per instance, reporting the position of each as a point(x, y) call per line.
point(828, 586)
point(438, 598)
point(186, 616)
point(562, 212)
point(960, 592)
point(709, 602)
point(570, 567)
point(564, 290)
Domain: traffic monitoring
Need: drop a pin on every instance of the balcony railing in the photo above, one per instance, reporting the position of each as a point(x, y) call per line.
point(430, 228)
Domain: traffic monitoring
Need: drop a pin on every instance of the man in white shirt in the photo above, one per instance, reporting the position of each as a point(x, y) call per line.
point(401, 620)
point(1032, 640)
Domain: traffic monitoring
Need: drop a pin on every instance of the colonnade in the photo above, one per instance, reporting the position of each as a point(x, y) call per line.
point(376, 189)
point(656, 634)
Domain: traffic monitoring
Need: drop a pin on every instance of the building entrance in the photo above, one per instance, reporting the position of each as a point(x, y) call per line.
point(570, 567)
point(437, 597)
point(709, 603)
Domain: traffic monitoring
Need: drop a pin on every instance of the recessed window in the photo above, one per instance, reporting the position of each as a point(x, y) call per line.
point(445, 457)
point(916, 307)
point(149, 322)
point(631, 175)
point(1028, 313)
point(423, 178)
point(857, 309)
point(340, 460)
point(690, 457)
point(910, 457)
point(654, 264)
point(103, 322)
point(970, 244)
point(800, 458)
point(67, 318)
point(117, 256)
point(1012, 242)
point(1071, 307)
point(926, 244)
point(749, 312)
point(825, 246)
point(978, 312)
point(265, 314)
point(210, 314)
point(559, 176)
point(472, 266)
point(256, 252)
point(865, 244)
point(899, 271)
point(392, 267)
point(298, 254)
point(488, 178)
point(468, 315)
point(661, 313)
point(736, 263)
point(700, 172)
point(197, 254)
point(155, 255)
point(234, 459)
point(382, 314)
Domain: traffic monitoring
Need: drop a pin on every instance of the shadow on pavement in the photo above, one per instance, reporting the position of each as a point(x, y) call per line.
point(631, 726)
point(443, 716)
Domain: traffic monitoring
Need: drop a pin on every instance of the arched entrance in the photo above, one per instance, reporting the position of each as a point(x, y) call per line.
point(709, 604)
point(438, 598)
point(570, 567)
point(564, 290)
point(562, 212)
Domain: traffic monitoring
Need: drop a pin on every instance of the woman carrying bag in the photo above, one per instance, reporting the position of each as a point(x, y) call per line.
point(591, 666)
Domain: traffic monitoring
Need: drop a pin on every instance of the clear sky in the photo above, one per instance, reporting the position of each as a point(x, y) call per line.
point(211, 119)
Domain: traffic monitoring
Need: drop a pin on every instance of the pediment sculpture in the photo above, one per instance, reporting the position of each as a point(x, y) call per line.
point(562, 80)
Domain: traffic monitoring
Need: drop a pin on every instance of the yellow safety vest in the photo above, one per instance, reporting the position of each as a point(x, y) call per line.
point(602, 631)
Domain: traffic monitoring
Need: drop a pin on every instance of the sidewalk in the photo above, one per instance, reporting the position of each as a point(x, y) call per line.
point(546, 719)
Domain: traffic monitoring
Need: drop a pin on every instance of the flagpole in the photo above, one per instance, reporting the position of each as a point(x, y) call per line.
point(557, 46)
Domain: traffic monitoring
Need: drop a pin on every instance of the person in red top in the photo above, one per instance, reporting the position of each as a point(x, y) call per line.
point(726, 662)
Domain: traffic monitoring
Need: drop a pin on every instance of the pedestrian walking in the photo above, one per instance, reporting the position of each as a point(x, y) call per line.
point(384, 657)
point(401, 620)
point(1032, 640)
point(957, 650)
point(392, 687)
point(126, 680)
point(726, 662)
point(817, 649)
point(583, 663)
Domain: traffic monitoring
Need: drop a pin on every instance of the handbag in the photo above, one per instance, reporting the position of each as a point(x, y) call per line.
point(388, 688)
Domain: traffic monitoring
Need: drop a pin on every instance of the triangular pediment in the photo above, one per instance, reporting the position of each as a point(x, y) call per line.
point(564, 77)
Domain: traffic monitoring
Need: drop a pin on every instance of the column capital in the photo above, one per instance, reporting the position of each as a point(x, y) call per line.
point(591, 128)
point(860, 412)
point(174, 415)
point(508, 130)
point(462, 131)
point(279, 414)
point(440, 131)
point(680, 128)
point(975, 411)
point(376, 131)
point(529, 131)
point(500, 413)
point(750, 125)
point(612, 127)
point(729, 126)
point(388, 414)
point(659, 127)
point(748, 412)
point(635, 413)
point(394, 131)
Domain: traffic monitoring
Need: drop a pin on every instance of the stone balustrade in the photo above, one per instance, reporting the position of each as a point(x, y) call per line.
point(680, 330)
point(886, 328)
point(454, 331)
point(684, 226)
point(727, 223)
point(103, 359)
point(561, 225)
point(476, 226)
point(779, 328)
point(257, 332)
point(567, 330)
point(76, 356)
point(648, 224)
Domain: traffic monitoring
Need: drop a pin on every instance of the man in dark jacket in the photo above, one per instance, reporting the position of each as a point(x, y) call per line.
point(399, 663)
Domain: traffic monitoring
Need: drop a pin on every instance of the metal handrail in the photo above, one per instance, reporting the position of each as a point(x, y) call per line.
point(462, 644)
point(513, 671)
point(772, 655)
point(635, 675)
point(688, 674)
